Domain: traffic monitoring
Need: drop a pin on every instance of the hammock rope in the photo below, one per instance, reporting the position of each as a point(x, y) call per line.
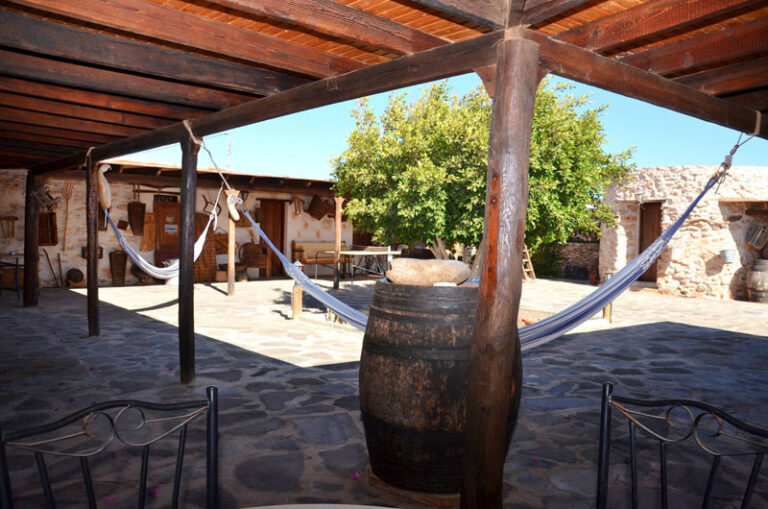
point(172, 269)
point(530, 335)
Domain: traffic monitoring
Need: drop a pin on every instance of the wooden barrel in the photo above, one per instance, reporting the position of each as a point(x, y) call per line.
point(414, 372)
point(757, 281)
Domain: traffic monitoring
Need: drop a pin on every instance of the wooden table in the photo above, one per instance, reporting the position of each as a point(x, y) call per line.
point(373, 266)
point(8, 266)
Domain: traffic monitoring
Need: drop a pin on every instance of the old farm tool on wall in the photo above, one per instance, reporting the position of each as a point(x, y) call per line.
point(136, 211)
point(53, 272)
point(69, 187)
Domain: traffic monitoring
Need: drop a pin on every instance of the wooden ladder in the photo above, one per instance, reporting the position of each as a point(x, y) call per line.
point(528, 272)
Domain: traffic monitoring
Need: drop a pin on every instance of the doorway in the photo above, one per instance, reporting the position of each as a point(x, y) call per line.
point(650, 229)
point(167, 230)
point(272, 221)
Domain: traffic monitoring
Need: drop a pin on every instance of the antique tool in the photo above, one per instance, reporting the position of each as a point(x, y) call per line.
point(61, 273)
point(50, 266)
point(8, 226)
point(69, 187)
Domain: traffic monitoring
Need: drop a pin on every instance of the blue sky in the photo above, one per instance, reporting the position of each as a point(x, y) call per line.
point(302, 145)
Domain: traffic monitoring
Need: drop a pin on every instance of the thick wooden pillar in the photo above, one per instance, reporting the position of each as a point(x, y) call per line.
point(92, 245)
point(496, 342)
point(230, 256)
point(337, 241)
point(189, 151)
point(31, 243)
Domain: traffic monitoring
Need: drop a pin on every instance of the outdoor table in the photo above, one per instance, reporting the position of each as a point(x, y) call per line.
point(370, 260)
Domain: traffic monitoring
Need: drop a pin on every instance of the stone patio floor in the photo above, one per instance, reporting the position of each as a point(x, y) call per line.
point(289, 415)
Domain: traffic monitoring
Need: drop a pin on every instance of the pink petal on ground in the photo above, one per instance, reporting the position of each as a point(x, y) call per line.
point(110, 499)
point(154, 490)
point(71, 400)
point(81, 487)
point(309, 457)
point(355, 476)
point(62, 383)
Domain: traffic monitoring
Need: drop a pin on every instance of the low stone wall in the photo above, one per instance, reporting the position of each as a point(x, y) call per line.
point(578, 254)
point(691, 265)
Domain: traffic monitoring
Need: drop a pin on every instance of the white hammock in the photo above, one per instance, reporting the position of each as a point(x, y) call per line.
point(168, 272)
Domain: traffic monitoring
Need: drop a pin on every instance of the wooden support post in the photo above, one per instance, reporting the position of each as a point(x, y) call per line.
point(297, 301)
point(186, 260)
point(31, 243)
point(494, 389)
point(92, 245)
point(231, 254)
point(337, 242)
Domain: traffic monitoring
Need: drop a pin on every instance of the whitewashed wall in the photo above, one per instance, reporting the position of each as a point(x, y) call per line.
point(12, 184)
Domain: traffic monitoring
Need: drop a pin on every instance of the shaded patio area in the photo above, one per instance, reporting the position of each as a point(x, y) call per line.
point(290, 429)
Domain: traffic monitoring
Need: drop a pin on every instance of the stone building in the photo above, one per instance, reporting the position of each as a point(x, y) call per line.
point(281, 202)
point(713, 250)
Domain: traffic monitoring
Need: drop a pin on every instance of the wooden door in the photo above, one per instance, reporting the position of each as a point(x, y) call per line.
point(167, 230)
point(650, 229)
point(272, 221)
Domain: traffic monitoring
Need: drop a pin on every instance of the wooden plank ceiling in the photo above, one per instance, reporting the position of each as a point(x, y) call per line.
point(75, 74)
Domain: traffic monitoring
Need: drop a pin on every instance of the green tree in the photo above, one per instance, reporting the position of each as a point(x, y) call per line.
point(418, 172)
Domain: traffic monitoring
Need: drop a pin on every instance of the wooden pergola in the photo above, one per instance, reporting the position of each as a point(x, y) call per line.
point(82, 81)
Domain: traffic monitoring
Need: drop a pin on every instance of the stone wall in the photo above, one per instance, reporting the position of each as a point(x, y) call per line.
point(578, 254)
point(691, 265)
point(12, 184)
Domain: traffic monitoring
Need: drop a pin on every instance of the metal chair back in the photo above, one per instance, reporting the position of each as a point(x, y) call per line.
point(88, 432)
point(674, 422)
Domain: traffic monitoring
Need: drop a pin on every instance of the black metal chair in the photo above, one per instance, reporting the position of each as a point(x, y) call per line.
point(136, 424)
point(671, 422)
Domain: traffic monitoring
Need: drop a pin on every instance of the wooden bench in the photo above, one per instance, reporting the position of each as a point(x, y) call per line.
point(313, 253)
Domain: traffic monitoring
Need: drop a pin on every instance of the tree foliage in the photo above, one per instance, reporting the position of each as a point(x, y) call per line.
point(418, 172)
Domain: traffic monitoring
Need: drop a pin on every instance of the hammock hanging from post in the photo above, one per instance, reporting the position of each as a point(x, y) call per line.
point(549, 328)
point(171, 270)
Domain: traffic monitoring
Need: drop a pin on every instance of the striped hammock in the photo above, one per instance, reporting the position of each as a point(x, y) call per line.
point(172, 270)
point(539, 332)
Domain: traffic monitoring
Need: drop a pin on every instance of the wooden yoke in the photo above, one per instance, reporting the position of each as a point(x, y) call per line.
point(493, 393)
point(189, 150)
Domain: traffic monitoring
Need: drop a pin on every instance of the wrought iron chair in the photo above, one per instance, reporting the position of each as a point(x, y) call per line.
point(136, 424)
point(671, 422)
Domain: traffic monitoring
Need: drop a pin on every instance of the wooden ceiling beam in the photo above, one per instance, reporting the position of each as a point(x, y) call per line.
point(442, 62)
point(757, 100)
point(171, 25)
point(730, 42)
point(80, 112)
point(487, 13)
point(204, 181)
point(99, 99)
point(537, 11)
point(91, 139)
point(588, 67)
point(82, 76)
point(53, 140)
point(62, 41)
point(648, 19)
point(340, 20)
point(730, 79)
point(34, 147)
point(48, 120)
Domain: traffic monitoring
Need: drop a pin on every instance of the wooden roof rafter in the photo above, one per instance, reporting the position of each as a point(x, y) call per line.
point(146, 64)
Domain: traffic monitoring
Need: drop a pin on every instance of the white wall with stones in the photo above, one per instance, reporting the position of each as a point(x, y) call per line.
point(12, 183)
point(691, 265)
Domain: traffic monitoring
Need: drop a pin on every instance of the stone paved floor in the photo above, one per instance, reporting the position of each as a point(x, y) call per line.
point(290, 423)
